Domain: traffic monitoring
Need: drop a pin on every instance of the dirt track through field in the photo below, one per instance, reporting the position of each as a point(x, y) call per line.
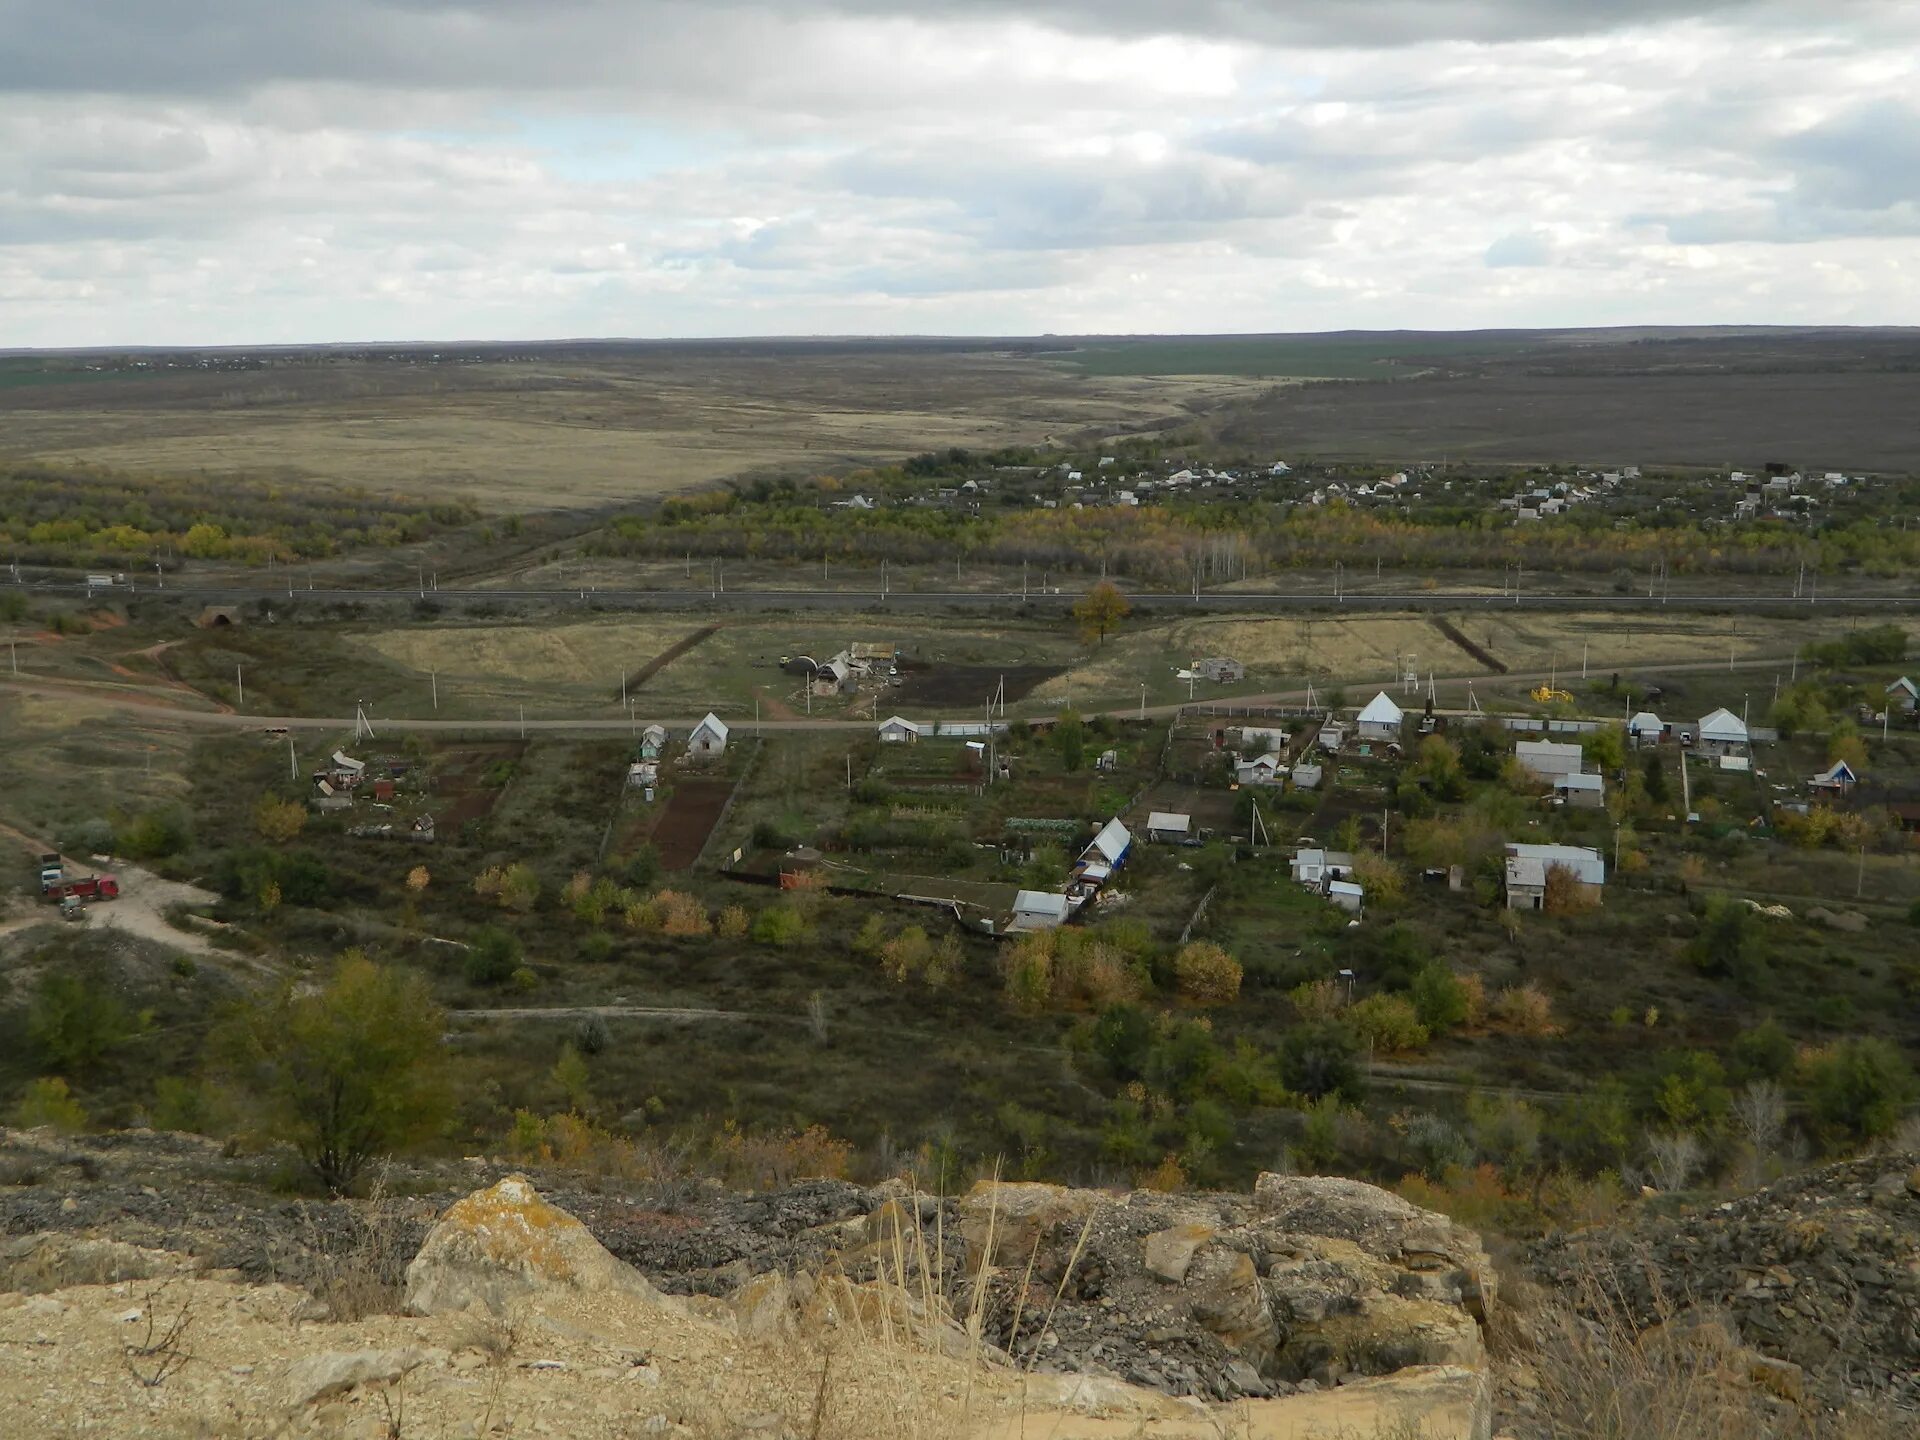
point(667, 656)
point(1485, 657)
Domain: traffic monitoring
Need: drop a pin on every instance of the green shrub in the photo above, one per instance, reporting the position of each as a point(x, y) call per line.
point(1913, 914)
point(1388, 1022)
point(1440, 999)
point(597, 946)
point(1322, 1059)
point(155, 834)
point(48, 1102)
point(192, 1106)
point(778, 925)
point(492, 956)
point(1859, 1088)
point(74, 1021)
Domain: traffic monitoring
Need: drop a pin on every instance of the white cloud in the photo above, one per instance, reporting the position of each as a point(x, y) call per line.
point(225, 171)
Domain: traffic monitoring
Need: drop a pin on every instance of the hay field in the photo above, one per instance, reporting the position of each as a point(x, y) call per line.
point(518, 434)
point(590, 653)
point(68, 759)
point(1285, 652)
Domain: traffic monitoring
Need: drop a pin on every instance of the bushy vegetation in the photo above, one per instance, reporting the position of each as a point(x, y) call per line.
point(80, 516)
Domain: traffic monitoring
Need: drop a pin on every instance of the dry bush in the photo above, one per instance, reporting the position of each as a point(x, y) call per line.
point(731, 923)
point(905, 953)
point(1383, 880)
point(1565, 895)
point(1207, 974)
point(1318, 999)
point(1525, 1010)
point(776, 1158)
point(277, 820)
point(680, 913)
point(359, 1269)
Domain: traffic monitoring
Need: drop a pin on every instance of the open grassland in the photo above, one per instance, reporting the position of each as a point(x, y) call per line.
point(558, 432)
point(68, 760)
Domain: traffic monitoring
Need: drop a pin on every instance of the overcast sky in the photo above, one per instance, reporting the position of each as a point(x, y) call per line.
point(238, 171)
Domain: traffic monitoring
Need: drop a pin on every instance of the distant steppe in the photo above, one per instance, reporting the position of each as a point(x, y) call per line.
point(552, 432)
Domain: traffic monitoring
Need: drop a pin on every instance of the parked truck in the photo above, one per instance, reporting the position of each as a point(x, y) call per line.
point(84, 888)
point(52, 872)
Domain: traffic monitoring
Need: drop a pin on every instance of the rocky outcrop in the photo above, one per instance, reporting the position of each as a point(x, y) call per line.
point(502, 1243)
point(1817, 1278)
point(1310, 1283)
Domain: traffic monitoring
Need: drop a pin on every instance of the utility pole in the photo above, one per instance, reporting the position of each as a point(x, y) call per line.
point(293, 761)
point(1143, 702)
point(433, 679)
point(1583, 659)
point(240, 689)
point(523, 722)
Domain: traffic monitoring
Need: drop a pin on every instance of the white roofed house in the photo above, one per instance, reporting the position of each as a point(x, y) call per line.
point(1316, 868)
point(1548, 759)
point(1722, 733)
point(1528, 866)
point(1347, 895)
point(1263, 770)
point(1105, 853)
point(653, 742)
point(708, 738)
point(898, 730)
point(1903, 694)
point(1646, 728)
point(1380, 720)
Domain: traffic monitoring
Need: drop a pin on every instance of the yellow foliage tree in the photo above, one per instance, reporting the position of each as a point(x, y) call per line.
point(277, 820)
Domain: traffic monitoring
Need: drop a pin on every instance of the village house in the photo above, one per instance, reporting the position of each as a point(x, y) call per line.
point(1903, 694)
point(1381, 720)
point(1722, 733)
point(1306, 777)
point(709, 738)
point(1316, 868)
point(1261, 771)
point(653, 742)
point(1646, 728)
point(1332, 735)
point(1527, 867)
point(1105, 853)
point(1837, 779)
point(1548, 759)
point(1221, 670)
point(897, 730)
point(834, 676)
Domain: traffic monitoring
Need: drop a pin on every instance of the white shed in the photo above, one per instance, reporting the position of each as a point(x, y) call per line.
point(1167, 825)
point(709, 737)
point(1347, 895)
point(1039, 910)
point(897, 730)
point(1646, 728)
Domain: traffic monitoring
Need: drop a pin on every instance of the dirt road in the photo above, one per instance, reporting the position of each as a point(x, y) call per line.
point(141, 909)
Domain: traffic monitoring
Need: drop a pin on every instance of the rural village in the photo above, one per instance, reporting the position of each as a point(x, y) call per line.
point(1085, 829)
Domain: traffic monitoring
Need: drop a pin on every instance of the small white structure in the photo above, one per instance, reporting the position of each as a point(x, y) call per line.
point(653, 742)
point(1168, 825)
point(1903, 694)
point(1347, 895)
point(1527, 867)
point(345, 764)
point(1583, 792)
point(1039, 910)
point(1314, 868)
point(1722, 733)
point(709, 737)
point(1110, 846)
point(1837, 779)
point(1646, 728)
point(1548, 759)
point(897, 730)
point(1261, 771)
point(1332, 736)
point(1221, 669)
point(1306, 777)
point(1381, 719)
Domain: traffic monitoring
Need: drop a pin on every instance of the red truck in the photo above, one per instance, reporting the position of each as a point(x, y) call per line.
point(84, 887)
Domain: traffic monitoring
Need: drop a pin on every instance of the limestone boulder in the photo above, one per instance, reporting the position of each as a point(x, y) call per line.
point(506, 1242)
point(1169, 1253)
point(313, 1378)
point(1005, 1222)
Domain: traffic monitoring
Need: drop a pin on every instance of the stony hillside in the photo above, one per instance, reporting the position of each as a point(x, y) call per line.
point(156, 1288)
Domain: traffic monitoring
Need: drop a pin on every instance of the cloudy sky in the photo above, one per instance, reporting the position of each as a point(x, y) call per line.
point(240, 171)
